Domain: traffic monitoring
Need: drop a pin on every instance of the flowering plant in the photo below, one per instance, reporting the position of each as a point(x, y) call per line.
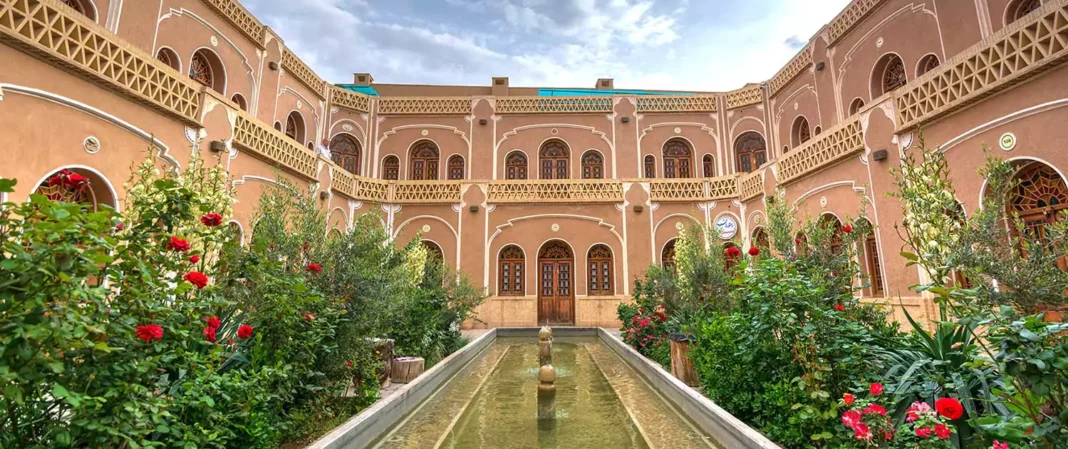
point(924, 427)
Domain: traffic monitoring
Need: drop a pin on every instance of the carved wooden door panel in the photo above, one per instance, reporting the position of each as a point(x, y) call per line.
point(556, 293)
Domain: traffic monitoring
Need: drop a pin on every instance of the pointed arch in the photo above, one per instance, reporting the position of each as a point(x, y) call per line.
point(295, 126)
point(510, 263)
point(592, 165)
point(600, 276)
point(750, 151)
point(677, 156)
point(708, 166)
point(554, 158)
point(391, 168)
point(649, 166)
point(800, 132)
point(889, 74)
point(515, 165)
point(205, 67)
point(345, 152)
point(424, 156)
point(455, 167)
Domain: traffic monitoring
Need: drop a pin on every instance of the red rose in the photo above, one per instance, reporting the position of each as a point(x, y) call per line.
point(754, 251)
point(75, 180)
point(848, 398)
point(847, 228)
point(149, 332)
point(244, 331)
point(876, 389)
point(194, 258)
point(851, 418)
point(924, 432)
point(177, 244)
point(943, 431)
point(308, 316)
point(212, 321)
point(839, 307)
point(1000, 445)
point(120, 227)
point(211, 219)
point(58, 178)
point(314, 268)
point(305, 245)
point(271, 246)
point(875, 408)
point(209, 334)
point(862, 431)
point(196, 278)
point(348, 364)
point(733, 252)
point(949, 407)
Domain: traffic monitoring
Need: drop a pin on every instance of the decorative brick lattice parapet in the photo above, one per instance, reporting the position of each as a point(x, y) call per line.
point(424, 106)
point(801, 61)
point(829, 147)
point(752, 185)
point(58, 33)
point(342, 181)
point(744, 97)
point(425, 192)
point(1025, 48)
point(350, 100)
point(850, 17)
point(693, 189)
point(554, 105)
point(256, 137)
point(240, 18)
point(676, 103)
point(575, 191)
point(294, 66)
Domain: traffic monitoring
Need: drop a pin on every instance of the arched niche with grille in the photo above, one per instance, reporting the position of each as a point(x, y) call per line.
point(239, 100)
point(433, 251)
point(855, 106)
point(1039, 198)
point(169, 57)
point(760, 239)
point(510, 271)
point(391, 168)
point(872, 265)
point(345, 151)
point(1017, 9)
point(554, 157)
point(667, 254)
point(456, 167)
point(83, 7)
point(649, 167)
point(708, 166)
point(206, 68)
point(592, 165)
point(750, 151)
point(678, 157)
point(601, 279)
point(800, 132)
point(515, 165)
point(295, 126)
point(424, 157)
point(75, 185)
point(889, 74)
point(927, 64)
point(829, 221)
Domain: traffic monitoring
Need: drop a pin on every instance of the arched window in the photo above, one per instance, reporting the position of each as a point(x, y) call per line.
point(295, 126)
point(1038, 199)
point(800, 133)
point(554, 158)
point(311, 146)
point(708, 166)
point(391, 168)
point(206, 68)
point(872, 266)
point(599, 261)
point(515, 165)
point(456, 167)
point(424, 157)
point(345, 151)
point(1019, 8)
point(889, 74)
point(76, 186)
point(278, 126)
point(169, 57)
point(750, 152)
point(760, 239)
point(592, 165)
point(433, 251)
point(855, 106)
point(511, 272)
point(828, 221)
point(677, 156)
point(650, 166)
point(817, 131)
point(82, 7)
point(927, 63)
point(240, 102)
point(667, 255)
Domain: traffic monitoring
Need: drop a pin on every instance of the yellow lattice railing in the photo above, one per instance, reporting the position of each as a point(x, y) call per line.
point(425, 192)
point(555, 191)
point(240, 18)
point(341, 181)
point(55, 31)
point(751, 185)
point(800, 62)
point(350, 100)
point(252, 135)
point(424, 105)
point(722, 187)
point(850, 16)
point(554, 105)
point(294, 66)
point(369, 189)
point(676, 103)
point(744, 97)
point(829, 147)
point(1025, 48)
point(693, 189)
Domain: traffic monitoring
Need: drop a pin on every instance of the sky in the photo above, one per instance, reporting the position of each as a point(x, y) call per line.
point(703, 45)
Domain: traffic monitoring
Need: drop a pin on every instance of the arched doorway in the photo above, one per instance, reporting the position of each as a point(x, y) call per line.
point(554, 158)
point(750, 152)
point(556, 293)
point(424, 156)
point(345, 151)
point(677, 156)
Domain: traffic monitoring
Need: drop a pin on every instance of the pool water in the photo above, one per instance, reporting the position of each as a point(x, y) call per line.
point(492, 403)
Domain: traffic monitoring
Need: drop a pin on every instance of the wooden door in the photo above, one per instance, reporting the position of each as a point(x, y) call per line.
point(556, 293)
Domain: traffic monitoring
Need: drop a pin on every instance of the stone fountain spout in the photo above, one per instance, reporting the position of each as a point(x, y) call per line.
point(546, 378)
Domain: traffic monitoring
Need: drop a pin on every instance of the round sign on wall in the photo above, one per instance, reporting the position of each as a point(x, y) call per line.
point(1008, 141)
point(726, 227)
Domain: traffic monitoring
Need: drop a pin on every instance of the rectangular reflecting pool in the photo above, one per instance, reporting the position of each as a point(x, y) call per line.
point(492, 402)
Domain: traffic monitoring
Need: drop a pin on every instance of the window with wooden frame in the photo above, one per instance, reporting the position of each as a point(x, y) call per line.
point(345, 151)
point(554, 158)
point(708, 166)
point(650, 167)
point(750, 152)
point(391, 168)
point(511, 272)
point(592, 165)
point(599, 262)
point(424, 161)
point(677, 157)
point(667, 255)
point(456, 167)
point(515, 165)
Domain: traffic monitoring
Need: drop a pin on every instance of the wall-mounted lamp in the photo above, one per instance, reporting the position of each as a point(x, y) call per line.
point(880, 155)
point(272, 65)
point(637, 209)
point(625, 119)
point(820, 65)
point(482, 121)
point(217, 146)
point(473, 208)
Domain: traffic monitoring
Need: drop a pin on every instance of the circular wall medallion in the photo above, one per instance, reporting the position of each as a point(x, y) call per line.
point(726, 227)
point(346, 127)
point(555, 227)
point(823, 201)
point(426, 228)
point(906, 141)
point(1007, 141)
point(795, 106)
point(554, 131)
point(879, 43)
point(679, 226)
point(678, 130)
point(91, 145)
point(424, 132)
point(214, 41)
point(299, 104)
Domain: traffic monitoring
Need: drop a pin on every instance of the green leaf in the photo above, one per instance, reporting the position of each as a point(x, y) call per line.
point(59, 392)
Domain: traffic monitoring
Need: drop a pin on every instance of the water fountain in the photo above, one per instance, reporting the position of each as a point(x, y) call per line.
point(546, 380)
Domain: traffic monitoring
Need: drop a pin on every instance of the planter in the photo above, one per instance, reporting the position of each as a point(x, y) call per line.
point(681, 365)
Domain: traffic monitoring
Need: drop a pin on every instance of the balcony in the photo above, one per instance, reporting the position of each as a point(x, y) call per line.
point(574, 191)
point(693, 189)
